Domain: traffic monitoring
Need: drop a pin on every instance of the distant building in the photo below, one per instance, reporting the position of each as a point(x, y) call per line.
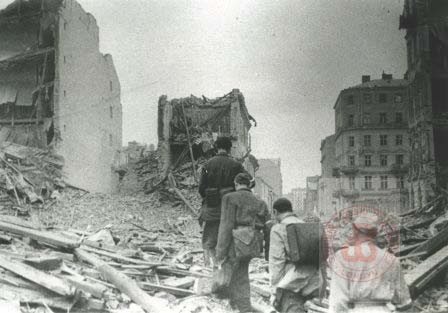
point(270, 171)
point(268, 177)
point(425, 22)
point(311, 197)
point(265, 192)
point(372, 144)
point(298, 196)
point(58, 91)
point(328, 184)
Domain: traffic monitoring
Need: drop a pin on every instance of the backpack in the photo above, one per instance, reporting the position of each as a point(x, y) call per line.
point(307, 243)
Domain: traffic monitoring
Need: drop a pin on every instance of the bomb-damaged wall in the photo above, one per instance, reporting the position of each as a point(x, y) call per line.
point(206, 119)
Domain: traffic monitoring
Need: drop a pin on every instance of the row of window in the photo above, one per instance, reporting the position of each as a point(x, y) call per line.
point(384, 182)
point(384, 160)
point(382, 118)
point(382, 98)
point(384, 139)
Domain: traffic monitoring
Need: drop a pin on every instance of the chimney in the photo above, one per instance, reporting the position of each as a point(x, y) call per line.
point(365, 78)
point(387, 76)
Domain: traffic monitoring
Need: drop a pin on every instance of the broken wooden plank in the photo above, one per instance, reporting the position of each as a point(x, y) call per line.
point(181, 196)
point(45, 263)
point(174, 271)
point(123, 283)
point(17, 221)
point(41, 278)
point(95, 289)
point(419, 277)
point(40, 236)
point(434, 243)
point(156, 248)
point(35, 296)
point(168, 289)
point(403, 250)
point(118, 257)
point(184, 282)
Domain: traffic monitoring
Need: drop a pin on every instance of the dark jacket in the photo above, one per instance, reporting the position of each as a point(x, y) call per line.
point(219, 172)
point(239, 208)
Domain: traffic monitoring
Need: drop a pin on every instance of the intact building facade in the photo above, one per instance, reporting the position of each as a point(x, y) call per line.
point(371, 144)
point(57, 91)
point(426, 25)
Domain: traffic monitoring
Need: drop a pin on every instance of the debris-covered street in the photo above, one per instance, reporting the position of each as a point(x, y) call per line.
point(236, 156)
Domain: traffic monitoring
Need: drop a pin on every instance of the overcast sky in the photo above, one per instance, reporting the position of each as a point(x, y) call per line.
point(290, 59)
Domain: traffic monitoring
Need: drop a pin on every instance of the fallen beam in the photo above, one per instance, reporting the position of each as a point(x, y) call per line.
point(433, 244)
point(41, 278)
point(426, 271)
point(119, 257)
point(178, 272)
point(123, 283)
point(40, 236)
point(172, 290)
point(181, 196)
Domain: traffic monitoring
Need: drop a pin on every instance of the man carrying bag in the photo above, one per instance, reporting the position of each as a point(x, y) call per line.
point(238, 243)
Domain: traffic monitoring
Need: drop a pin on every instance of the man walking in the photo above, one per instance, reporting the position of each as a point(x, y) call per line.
point(216, 180)
point(237, 235)
point(291, 284)
point(366, 278)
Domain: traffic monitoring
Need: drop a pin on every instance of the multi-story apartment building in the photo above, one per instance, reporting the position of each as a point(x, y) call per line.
point(426, 25)
point(270, 171)
point(371, 144)
point(58, 91)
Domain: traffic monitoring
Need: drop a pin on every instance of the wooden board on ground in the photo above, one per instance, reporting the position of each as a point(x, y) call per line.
point(420, 276)
point(41, 278)
point(433, 244)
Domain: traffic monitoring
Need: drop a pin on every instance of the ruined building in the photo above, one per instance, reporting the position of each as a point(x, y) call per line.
point(426, 25)
point(206, 120)
point(327, 182)
point(269, 182)
point(371, 144)
point(57, 91)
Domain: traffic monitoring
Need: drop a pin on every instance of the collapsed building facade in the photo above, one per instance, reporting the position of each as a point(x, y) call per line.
point(58, 92)
point(426, 28)
point(189, 126)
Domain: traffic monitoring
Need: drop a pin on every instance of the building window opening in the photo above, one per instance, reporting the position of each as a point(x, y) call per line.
point(383, 98)
point(399, 140)
point(400, 182)
point(383, 160)
point(368, 160)
point(383, 140)
point(399, 159)
point(110, 140)
point(368, 182)
point(383, 182)
point(399, 117)
point(351, 160)
point(367, 140)
point(383, 118)
point(351, 120)
point(351, 141)
point(351, 183)
point(111, 112)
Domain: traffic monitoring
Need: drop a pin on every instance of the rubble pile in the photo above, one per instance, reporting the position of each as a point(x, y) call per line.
point(424, 254)
point(110, 269)
point(28, 176)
